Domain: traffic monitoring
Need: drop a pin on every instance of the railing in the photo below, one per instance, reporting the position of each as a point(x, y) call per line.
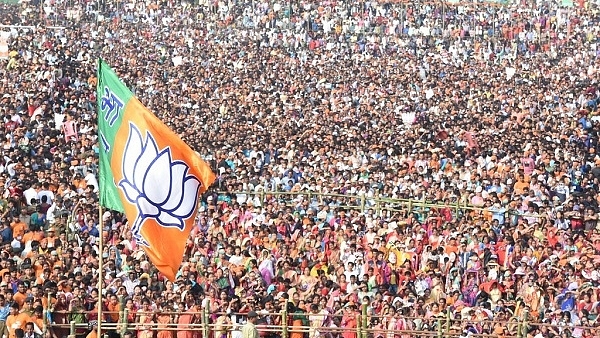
point(381, 205)
point(210, 327)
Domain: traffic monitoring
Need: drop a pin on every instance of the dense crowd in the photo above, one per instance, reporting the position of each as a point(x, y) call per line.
point(318, 118)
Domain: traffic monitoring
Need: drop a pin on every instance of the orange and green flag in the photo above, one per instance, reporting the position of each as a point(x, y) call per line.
point(147, 172)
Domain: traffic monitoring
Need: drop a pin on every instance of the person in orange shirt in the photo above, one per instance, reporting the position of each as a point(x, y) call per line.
point(32, 236)
point(47, 303)
point(113, 306)
point(18, 228)
point(38, 317)
point(452, 297)
point(520, 185)
point(451, 247)
point(79, 183)
point(39, 262)
point(20, 296)
point(16, 320)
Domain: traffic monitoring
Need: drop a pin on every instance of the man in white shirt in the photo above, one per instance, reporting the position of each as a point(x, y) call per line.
point(351, 270)
point(90, 179)
point(31, 193)
point(45, 191)
point(30, 331)
point(131, 282)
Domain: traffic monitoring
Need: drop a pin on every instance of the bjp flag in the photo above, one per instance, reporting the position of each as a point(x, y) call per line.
point(147, 172)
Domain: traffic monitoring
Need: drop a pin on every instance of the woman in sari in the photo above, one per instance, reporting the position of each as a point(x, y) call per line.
point(470, 289)
point(164, 319)
point(306, 282)
point(222, 326)
point(131, 311)
point(316, 320)
point(60, 312)
point(349, 322)
point(266, 267)
point(401, 324)
point(145, 319)
point(299, 320)
point(77, 315)
point(187, 320)
point(388, 321)
point(290, 273)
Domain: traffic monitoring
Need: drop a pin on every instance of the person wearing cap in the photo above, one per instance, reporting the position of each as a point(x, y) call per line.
point(249, 329)
point(18, 227)
point(131, 281)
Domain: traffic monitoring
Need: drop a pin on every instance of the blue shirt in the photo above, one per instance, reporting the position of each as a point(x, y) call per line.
point(498, 214)
point(6, 235)
point(94, 232)
point(4, 312)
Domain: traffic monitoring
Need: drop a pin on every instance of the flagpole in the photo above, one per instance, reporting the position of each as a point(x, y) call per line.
point(100, 268)
point(100, 238)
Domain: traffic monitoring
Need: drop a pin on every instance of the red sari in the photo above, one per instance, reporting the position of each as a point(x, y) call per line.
point(349, 324)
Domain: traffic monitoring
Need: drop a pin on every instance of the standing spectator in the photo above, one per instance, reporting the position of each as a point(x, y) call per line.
point(164, 319)
point(187, 318)
point(4, 313)
point(16, 321)
point(249, 329)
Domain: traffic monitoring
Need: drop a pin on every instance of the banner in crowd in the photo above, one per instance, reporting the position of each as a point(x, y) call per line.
point(147, 172)
point(4, 36)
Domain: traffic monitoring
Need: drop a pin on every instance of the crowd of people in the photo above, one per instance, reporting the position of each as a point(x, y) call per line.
point(321, 120)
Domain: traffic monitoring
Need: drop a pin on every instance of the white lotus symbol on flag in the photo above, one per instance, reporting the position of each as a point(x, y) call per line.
point(160, 187)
